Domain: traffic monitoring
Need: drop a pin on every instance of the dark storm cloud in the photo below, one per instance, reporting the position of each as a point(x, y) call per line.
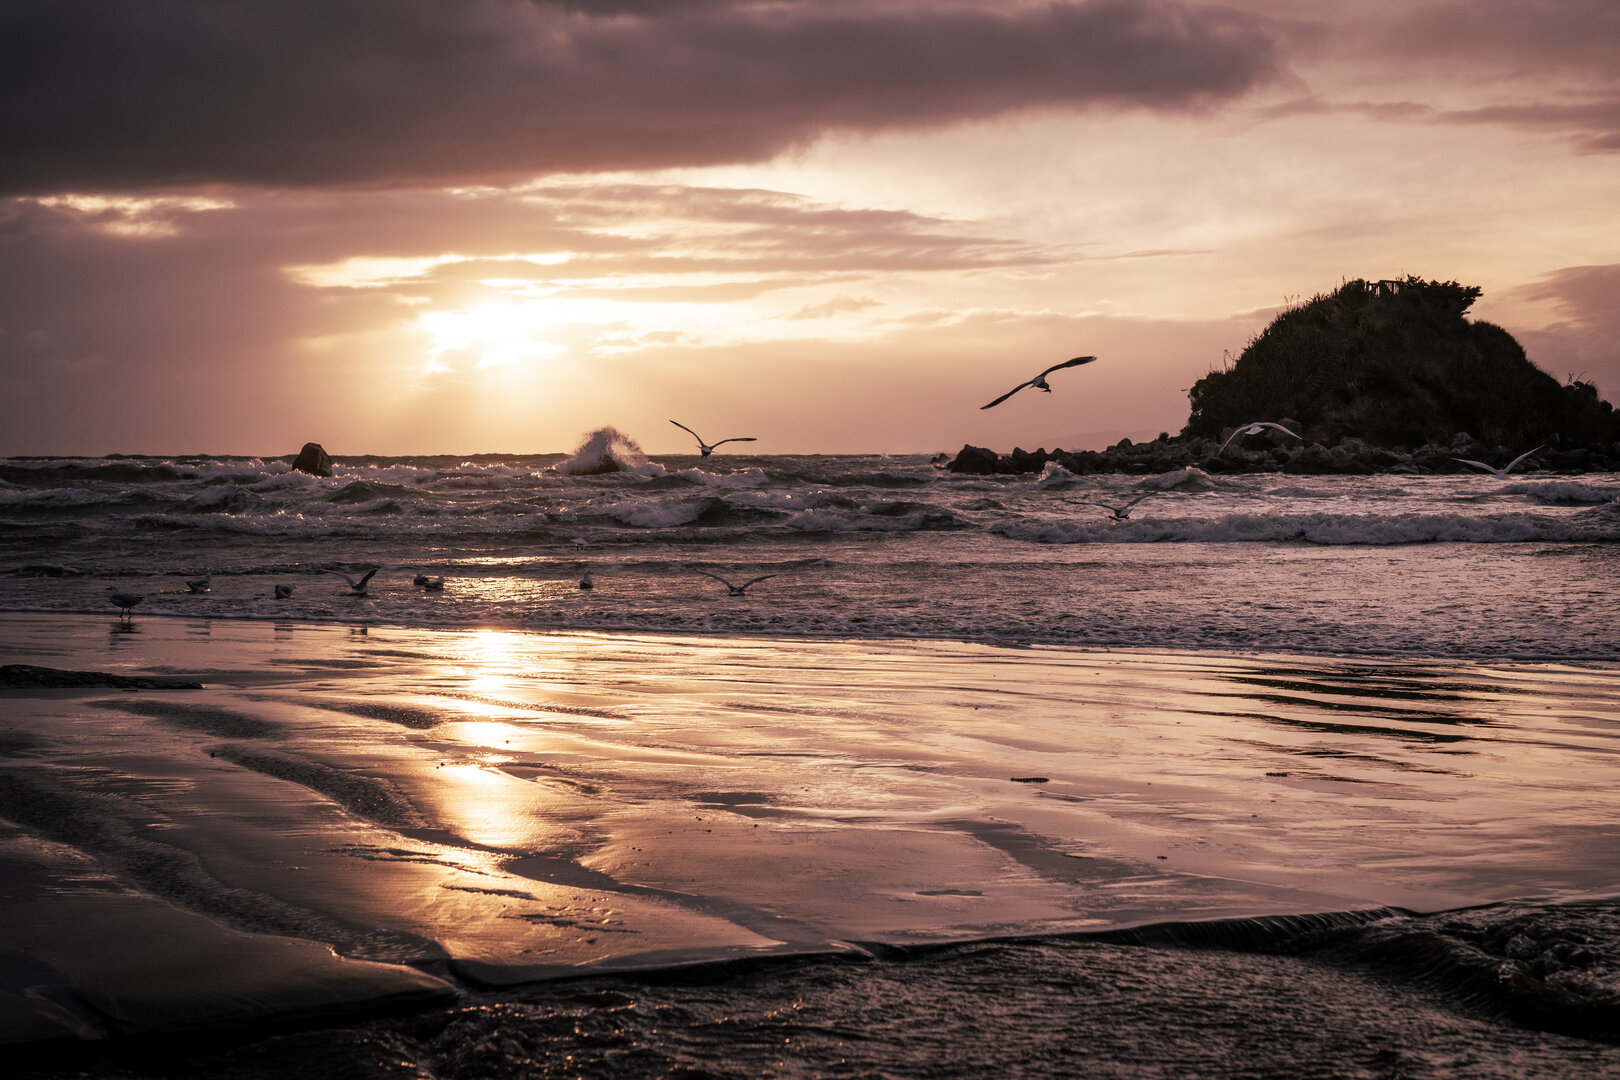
point(111, 95)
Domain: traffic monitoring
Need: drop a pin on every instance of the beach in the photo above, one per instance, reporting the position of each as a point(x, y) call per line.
point(344, 821)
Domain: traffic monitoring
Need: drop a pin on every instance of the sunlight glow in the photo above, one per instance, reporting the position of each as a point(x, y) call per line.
point(136, 216)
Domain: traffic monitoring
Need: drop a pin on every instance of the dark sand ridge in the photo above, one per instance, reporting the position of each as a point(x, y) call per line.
point(489, 808)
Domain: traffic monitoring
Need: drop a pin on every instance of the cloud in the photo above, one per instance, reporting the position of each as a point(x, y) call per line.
point(104, 95)
point(1581, 340)
point(1552, 66)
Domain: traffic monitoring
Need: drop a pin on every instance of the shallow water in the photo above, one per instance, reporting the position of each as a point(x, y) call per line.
point(897, 790)
point(1456, 566)
point(876, 841)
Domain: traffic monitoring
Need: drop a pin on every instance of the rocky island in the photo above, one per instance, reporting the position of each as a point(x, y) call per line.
point(1384, 376)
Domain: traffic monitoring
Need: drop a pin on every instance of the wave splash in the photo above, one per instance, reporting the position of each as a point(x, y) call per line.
point(606, 450)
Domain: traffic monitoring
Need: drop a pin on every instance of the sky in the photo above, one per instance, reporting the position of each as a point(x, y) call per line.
point(839, 226)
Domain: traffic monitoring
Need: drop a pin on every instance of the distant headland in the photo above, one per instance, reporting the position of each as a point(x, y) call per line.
point(1377, 376)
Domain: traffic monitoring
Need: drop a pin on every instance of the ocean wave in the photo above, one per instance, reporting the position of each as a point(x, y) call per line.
point(1321, 528)
point(752, 477)
point(1564, 492)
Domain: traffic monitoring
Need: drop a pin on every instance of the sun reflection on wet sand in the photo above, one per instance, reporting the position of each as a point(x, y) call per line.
point(503, 794)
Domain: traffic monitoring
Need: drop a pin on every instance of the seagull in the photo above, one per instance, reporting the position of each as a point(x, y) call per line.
point(1039, 381)
point(734, 590)
point(586, 582)
point(431, 584)
point(201, 584)
point(1252, 429)
point(705, 448)
point(283, 591)
point(1500, 474)
point(356, 588)
point(1122, 512)
point(124, 600)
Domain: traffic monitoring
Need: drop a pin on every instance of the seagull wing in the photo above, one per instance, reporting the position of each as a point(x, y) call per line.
point(1139, 498)
point(1268, 424)
point(1509, 466)
point(1007, 395)
point(756, 581)
point(716, 577)
point(738, 438)
point(366, 577)
point(353, 584)
point(1076, 362)
point(689, 431)
point(1228, 442)
point(1479, 465)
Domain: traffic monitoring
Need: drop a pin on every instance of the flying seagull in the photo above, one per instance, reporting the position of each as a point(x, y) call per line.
point(1500, 474)
point(586, 582)
point(734, 590)
point(201, 584)
point(1122, 512)
point(705, 448)
point(124, 600)
point(283, 591)
point(1039, 381)
point(356, 588)
point(1252, 429)
point(431, 584)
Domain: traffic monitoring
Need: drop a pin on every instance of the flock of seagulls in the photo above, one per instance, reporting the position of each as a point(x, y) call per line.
point(359, 586)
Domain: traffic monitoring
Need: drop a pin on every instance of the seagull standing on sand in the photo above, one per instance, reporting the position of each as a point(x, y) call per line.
point(734, 590)
point(124, 600)
point(356, 588)
point(586, 582)
point(1039, 381)
point(283, 591)
point(1500, 474)
point(201, 584)
point(705, 449)
point(1122, 512)
point(1253, 429)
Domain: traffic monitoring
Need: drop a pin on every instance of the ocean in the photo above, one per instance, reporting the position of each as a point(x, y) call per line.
point(1464, 566)
point(1277, 776)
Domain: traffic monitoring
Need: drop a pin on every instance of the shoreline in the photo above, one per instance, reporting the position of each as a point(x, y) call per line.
point(788, 639)
point(498, 807)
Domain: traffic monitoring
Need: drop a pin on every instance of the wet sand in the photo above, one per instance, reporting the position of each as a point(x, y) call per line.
point(345, 819)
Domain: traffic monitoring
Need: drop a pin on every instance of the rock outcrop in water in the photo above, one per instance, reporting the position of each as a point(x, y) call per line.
point(1347, 457)
point(313, 459)
point(1386, 376)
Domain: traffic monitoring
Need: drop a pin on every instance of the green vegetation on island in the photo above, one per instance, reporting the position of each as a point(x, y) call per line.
point(1377, 376)
point(1398, 363)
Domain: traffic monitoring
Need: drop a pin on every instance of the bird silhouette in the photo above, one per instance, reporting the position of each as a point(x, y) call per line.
point(1039, 381)
point(356, 587)
point(431, 584)
point(1122, 512)
point(586, 582)
point(124, 600)
point(283, 591)
point(705, 449)
point(201, 584)
point(1500, 474)
point(1252, 429)
point(734, 590)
